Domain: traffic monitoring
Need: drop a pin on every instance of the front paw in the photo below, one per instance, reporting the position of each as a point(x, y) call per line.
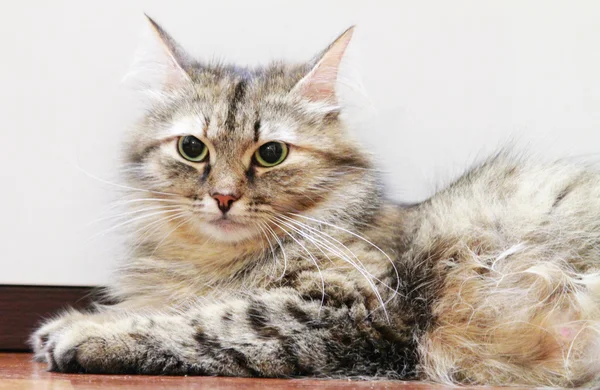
point(125, 346)
point(88, 347)
point(40, 339)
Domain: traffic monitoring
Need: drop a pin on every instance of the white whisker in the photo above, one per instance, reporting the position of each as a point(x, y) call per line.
point(275, 259)
point(88, 174)
point(313, 260)
point(169, 233)
point(328, 237)
point(363, 239)
point(130, 221)
point(145, 231)
point(282, 247)
point(368, 277)
point(131, 212)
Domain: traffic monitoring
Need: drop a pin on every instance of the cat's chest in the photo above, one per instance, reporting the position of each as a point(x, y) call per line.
point(181, 273)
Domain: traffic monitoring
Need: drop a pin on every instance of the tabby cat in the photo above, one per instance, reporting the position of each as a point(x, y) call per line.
point(264, 247)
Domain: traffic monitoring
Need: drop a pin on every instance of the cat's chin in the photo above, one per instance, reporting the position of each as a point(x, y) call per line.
point(226, 230)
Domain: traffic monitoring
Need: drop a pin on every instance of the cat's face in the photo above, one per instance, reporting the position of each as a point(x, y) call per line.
point(234, 151)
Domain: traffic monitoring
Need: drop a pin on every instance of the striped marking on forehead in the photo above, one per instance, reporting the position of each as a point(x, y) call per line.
point(237, 97)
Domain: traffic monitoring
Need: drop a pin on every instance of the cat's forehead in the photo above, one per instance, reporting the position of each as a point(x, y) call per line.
point(240, 105)
point(269, 128)
point(275, 78)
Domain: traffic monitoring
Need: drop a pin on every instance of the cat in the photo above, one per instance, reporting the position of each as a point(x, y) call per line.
point(264, 246)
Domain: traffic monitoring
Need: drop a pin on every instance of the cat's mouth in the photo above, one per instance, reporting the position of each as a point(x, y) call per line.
point(227, 228)
point(227, 224)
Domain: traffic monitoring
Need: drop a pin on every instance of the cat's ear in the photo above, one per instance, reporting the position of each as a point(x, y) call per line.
point(160, 62)
point(319, 84)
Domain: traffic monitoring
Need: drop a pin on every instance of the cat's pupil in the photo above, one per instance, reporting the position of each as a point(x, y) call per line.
point(192, 146)
point(271, 152)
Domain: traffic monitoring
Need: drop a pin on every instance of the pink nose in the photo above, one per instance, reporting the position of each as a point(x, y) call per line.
point(224, 201)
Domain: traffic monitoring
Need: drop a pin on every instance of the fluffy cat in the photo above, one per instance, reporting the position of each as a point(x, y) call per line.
point(264, 247)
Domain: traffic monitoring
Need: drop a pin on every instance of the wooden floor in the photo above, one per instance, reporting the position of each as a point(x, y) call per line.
point(19, 372)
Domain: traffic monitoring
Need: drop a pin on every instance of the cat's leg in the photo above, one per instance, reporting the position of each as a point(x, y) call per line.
point(269, 334)
point(514, 319)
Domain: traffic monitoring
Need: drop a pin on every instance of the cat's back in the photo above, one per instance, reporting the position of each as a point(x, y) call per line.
point(509, 215)
point(510, 200)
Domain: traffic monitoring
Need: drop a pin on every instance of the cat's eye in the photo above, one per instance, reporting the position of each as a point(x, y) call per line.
point(192, 149)
point(271, 154)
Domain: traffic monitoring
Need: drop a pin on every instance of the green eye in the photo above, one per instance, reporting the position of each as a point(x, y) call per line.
point(192, 149)
point(271, 154)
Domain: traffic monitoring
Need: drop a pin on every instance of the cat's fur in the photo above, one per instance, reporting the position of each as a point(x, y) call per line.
point(491, 281)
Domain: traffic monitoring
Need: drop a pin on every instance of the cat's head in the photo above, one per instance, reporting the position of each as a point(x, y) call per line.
point(228, 153)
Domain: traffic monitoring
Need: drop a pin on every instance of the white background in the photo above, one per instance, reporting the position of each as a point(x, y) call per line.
point(447, 81)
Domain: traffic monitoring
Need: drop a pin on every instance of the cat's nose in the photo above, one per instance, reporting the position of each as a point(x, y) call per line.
point(224, 201)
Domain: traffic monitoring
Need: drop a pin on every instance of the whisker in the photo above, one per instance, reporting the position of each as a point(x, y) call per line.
point(128, 201)
point(282, 247)
point(313, 260)
point(329, 237)
point(305, 235)
point(131, 212)
point(130, 221)
point(169, 233)
point(148, 232)
point(275, 259)
point(362, 168)
point(362, 270)
point(363, 239)
point(90, 175)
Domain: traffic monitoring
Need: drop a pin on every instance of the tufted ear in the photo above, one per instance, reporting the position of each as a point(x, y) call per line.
point(319, 84)
point(160, 62)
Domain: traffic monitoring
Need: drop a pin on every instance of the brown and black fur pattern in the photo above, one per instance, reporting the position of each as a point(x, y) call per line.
point(312, 271)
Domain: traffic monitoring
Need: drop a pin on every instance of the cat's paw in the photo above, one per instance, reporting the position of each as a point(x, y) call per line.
point(126, 345)
point(40, 339)
point(87, 347)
